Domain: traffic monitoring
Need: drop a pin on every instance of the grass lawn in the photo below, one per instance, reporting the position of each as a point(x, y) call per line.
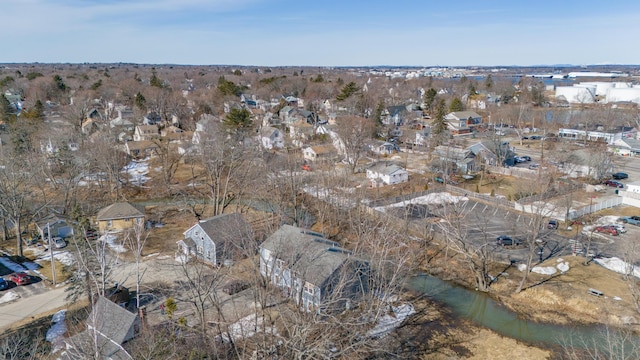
point(45, 270)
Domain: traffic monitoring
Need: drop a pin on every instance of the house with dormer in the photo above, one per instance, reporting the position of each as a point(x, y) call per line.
point(462, 122)
point(218, 240)
point(315, 272)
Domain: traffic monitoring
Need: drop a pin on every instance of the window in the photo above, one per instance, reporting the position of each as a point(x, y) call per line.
point(309, 288)
point(200, 250)
point(109, 223)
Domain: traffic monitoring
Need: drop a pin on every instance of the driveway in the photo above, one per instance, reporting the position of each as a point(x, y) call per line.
point(31, 306)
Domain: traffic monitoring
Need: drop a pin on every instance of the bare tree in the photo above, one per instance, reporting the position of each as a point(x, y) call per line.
point(353, 134)
point(455, 231)
point(136, 239)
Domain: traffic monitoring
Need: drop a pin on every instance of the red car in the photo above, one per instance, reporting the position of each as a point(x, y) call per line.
point(608, 229)
point(20, 278)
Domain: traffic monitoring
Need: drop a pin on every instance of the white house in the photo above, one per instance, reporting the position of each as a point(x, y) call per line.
point(387, 174)
point(271, 137)
point(145, 132)
point(325, 152)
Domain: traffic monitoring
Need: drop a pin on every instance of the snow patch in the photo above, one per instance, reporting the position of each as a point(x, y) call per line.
point(563, 267)
point(246, 327)
point(110, 239)
point(55, 334)
point(137, 171)
point(619, 266)
point(9, 297)
point(388, 322)
point(544, 270)
point(433, 198)
point(182, 258)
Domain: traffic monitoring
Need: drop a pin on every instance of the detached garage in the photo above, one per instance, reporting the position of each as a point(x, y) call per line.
point(58, 226)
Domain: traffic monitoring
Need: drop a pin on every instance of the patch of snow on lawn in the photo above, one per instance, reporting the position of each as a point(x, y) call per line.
point(30, 265)
point(563, 267)
point(619, 266)
point(64, 257)
point(15, 267)
point(55, 334)
point(246, 327)
point(137, 171)
point(544, 270)
point(433, 198)
point(9, 297)
point(604, 220)
point(389, 322)
point(110, 239)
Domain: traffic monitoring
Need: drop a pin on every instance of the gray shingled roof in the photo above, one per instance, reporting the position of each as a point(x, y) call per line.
point(112, 323)
point(385, 168)
point(119, 211)
point(311, 256)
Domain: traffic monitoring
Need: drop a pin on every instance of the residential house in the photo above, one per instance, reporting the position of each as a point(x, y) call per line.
point(316, 272)
point(394, 115)
point(203, 126)
point(456, 159)
point(287, 114)
point(119, 216)
point(89, 126)
point(145, 132)
point(300, 130)
point(108, 327)
point(491, 152)
point(219, 239)
point(625, 147)
point(383, 148)
point(462, 122)
point(152, 118)
point(140, 149)
point(387, 174)
point(54, 225)
point(271, 137)
point(319, 153)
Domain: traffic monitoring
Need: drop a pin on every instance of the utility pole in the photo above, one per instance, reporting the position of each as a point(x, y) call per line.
point(53, 263)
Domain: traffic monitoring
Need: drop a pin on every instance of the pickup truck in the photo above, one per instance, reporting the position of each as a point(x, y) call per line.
point(633, 220)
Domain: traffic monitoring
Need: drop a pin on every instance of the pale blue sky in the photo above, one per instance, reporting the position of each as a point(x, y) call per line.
point(324, 33)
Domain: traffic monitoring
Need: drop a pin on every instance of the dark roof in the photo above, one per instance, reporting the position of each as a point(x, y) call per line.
point(396, 110)
point(119, 211)
point(311, 256)
point(225, 226)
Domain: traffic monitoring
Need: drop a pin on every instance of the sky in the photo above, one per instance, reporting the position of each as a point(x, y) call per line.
point(322, 33)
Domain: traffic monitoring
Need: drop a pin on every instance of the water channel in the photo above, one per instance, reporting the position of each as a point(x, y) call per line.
point(483, 310)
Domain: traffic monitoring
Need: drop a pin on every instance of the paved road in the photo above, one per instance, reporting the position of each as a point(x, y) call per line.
point(31, 306)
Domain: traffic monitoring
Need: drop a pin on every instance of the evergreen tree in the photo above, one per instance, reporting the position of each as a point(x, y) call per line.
point(430, 99)
point(238, 120)
point(456, 105)
point(346, 92)
point(155, 80)
point(6, 111)
point(488, 82)
point(140, 102)
point(440, 126)
point(59, 83)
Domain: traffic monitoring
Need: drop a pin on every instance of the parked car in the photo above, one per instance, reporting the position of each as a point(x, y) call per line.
point(526, 158)
point(91, 234)
point(535, 137)
point(534, 166)
point(59, 242)
point(620, 228)
point(4, 285)
point(607, 229)
point(505, 240)
point(620, 176)
point(20, 278)
point(633, 220)
point(614, 183)
point(552, 224)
